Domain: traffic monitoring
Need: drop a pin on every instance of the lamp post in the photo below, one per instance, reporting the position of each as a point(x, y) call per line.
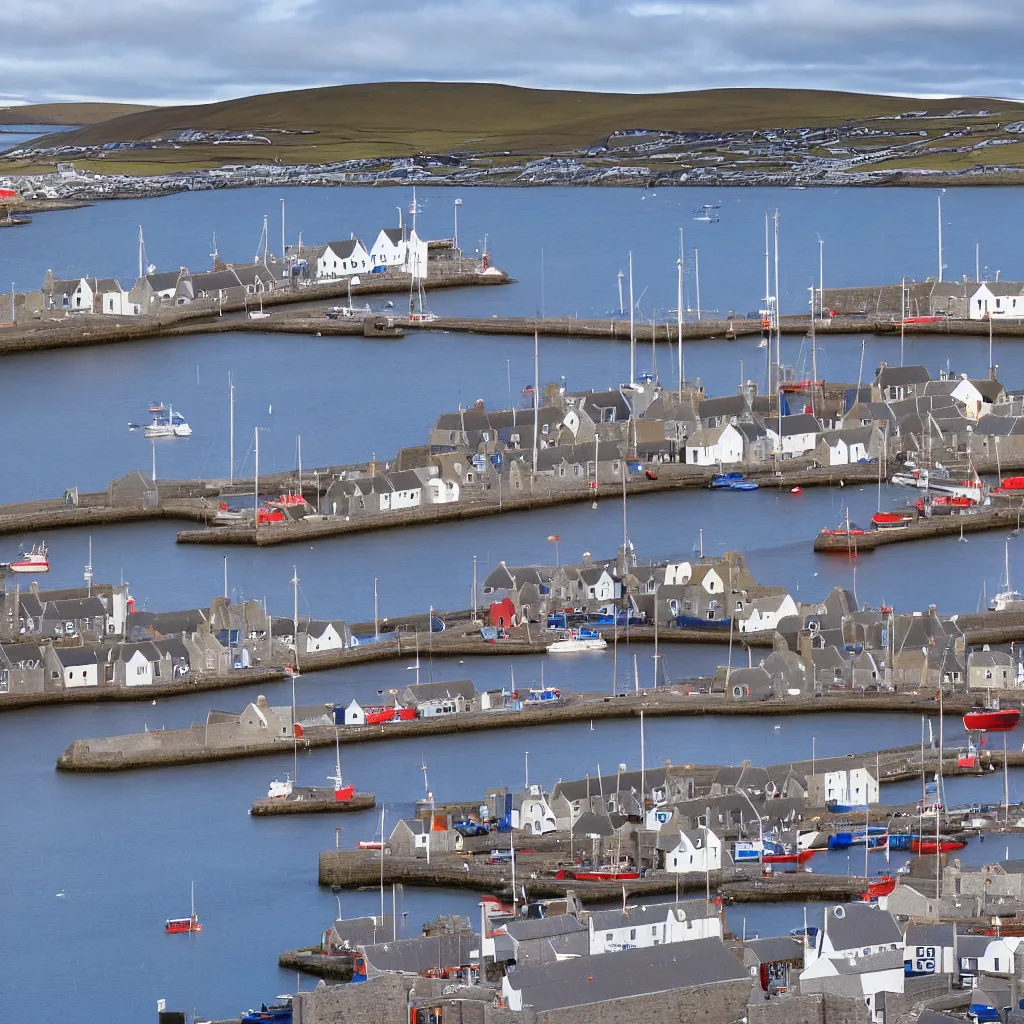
point(760, 825)
point(555, 538)
point(458, 203)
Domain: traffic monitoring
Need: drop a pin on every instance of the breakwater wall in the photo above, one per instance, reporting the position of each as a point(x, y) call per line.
point(356, 868)
point(195, 746)
point(922, 528)
point(671, 477)
point(322, 802)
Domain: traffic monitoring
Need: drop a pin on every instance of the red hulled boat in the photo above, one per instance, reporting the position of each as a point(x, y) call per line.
point(927, 846)
point(991, 719)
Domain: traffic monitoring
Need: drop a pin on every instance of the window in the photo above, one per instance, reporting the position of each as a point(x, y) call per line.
point(609, 937)
point(632, 937)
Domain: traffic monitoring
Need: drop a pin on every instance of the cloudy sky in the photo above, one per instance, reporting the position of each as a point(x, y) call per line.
point(199, 50)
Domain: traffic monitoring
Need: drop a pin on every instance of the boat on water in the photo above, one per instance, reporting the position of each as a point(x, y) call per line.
point(891, 520)
point(279, 1011)
point(280, 789)
point(36, 559)
point(575, 640)
point(769, 852)
point(378, 714)
point(929, 846)
point(834, 807)
point(732, 482)
point(597, 876)
point(883, 886)
point(180, 925)
point(945, 504)
point(992, 719)
point(1008, 599)
point(939, 480)
point(165, 423)
point(848, 530)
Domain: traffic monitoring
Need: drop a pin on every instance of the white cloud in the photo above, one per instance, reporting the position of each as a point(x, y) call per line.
point(200, 50)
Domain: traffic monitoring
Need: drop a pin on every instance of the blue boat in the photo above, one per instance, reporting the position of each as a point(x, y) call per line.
point(743, 485)
point(692, 622)
point(279, 1012)
point(837, 808)
point(900, 841)
point(724, 481)
point(840, 841)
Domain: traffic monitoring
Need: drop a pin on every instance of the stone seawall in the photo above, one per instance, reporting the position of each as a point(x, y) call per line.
point(314, 805)
point(189, 746)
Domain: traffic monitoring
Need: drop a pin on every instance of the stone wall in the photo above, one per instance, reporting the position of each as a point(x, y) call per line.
point(808, 1009)
point(713, 1004)
point(381, 1000)
point(916, 990)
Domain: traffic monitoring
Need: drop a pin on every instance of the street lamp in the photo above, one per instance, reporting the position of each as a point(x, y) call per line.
point(555, 538)
point(458, 203)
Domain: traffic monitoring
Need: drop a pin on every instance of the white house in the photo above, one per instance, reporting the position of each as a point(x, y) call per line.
point(930, 949)
point(977, 396)
point(1000, 300)
point(354, 714)
point(76, 666)
point(799, 433)
point(116, 302)
point(685, 850)
point(324, 636)
point(658, 924)
point(416, 255)
point(534, 813)
point(600, 584)
point(708, 577)
point(678, 573)
point(389, 248)
point(858, 952)
point(441, 491)
point(765, 613)
point(711, 446)
point(138, 669)
point(848, 445)
point(399, 490)
point(82, 297)
point(852, 787)
point(984, 954)
point(342, 259)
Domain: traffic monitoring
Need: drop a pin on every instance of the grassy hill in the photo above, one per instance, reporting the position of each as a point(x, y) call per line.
point(408, 117)
point(66, 113)
point(391, 119)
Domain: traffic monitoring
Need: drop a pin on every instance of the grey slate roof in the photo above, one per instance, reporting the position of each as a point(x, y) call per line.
point(394, 235)
point(72, 657)
point(342, 249)
point(930, 934)
point(800, 423)
point(362, 931)
point(412, 956)
point(633, 972)
point(423, 692)
point(777, 949)
point(887, 960)
point(861, 925)
point(651, 913)
point(543, 927)
point(900, 376)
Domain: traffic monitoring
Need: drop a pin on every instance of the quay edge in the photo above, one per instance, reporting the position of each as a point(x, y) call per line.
point(187, 746)
point(316, 805)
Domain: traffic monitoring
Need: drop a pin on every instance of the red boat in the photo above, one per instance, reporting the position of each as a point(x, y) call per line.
point(882, 887)
point(927, 846)
point(946, 501)
point(1009, 484)
point(596, 876)
point(369, 844)
point(890, 520)
point(269, 515)
point(376, 715)
point(800, 857)
point(180, 925)
point(991, 719)
point(841, 531)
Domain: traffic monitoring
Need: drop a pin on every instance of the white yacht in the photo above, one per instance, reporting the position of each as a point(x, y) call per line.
point(575, 640)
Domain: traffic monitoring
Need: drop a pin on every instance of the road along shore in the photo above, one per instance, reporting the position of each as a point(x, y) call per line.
point(193, 745)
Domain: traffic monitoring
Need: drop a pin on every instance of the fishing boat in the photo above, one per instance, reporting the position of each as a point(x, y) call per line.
point(938, 480)
point(341, 791)
point(280, 1012)
point(597, 876)
point(945, 503)
point(930, 846)
point(281, 789)
point(991, 719)
point(165, 423)
point(369, 844)
point(883, 886)
point(849, 530)
point(732, 482)
point(36, 559)
point(799, 857)
point(178, 925)
point(891, 520)
point(575, 640)
point(1007, 599)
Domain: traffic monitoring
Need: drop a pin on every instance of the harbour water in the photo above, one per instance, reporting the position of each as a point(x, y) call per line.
point(124, 848)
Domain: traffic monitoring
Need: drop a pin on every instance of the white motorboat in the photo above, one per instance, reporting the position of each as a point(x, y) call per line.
point(35, 560)
point(940, 482)
point(1008, 599)
point(576, 640)
point(280, 789)
point(169, 424)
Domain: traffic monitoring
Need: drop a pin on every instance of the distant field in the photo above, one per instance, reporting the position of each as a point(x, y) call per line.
point(66, 113)
point(403, 118)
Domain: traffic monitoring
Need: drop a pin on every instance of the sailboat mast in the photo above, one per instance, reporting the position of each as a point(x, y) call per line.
point(778, 320)
point(299, 436)
point(295, 667)
point(256, 478)
point(679, 313)
point(231, 429)
point(536, 395)
point(768, 310)
point(632, 326)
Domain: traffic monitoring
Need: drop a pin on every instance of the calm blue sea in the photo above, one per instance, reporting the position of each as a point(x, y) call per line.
point(125, 848)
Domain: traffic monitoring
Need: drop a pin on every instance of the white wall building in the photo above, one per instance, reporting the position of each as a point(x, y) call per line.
point(342, 259)
point(765, 613)
point(611, 931)
point(711, 446)
point(389, 248)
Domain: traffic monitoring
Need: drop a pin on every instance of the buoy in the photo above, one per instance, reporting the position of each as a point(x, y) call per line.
point(796, 490)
